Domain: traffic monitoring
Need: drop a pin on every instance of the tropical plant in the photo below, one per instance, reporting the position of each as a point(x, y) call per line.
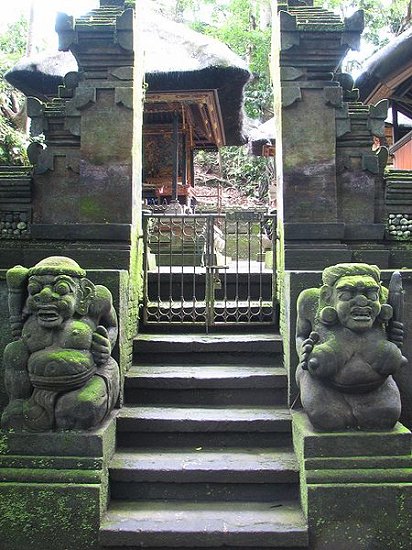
point(13, 140)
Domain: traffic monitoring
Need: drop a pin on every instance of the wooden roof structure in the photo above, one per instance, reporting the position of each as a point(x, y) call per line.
point(388, 75)
point(198, 112)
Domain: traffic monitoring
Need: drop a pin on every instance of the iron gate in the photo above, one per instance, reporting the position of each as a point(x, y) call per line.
point(210, 269)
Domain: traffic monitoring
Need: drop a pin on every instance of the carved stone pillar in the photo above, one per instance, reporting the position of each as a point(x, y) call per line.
point(309, 44)
point(87, 181)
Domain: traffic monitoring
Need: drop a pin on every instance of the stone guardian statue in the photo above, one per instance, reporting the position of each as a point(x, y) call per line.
point(346, 359)
point(59, 373)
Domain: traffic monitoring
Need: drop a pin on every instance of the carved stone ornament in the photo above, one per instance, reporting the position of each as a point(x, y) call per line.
point(347, 352)
point(59, 373)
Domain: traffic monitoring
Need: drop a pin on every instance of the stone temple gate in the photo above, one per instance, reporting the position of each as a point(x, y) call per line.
point(186, 440)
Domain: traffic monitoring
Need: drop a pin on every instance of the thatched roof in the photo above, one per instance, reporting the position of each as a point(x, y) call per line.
point(176, 58)
point(264, 134)
point(388, 74)
point(40, 75)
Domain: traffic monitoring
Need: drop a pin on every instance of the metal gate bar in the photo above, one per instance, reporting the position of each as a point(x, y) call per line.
point(208, 269)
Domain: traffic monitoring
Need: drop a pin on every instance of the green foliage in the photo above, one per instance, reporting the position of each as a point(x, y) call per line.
point(244, 25)
point(380, 20)
point(239, 169)
point(12, 48)
point(13, 143)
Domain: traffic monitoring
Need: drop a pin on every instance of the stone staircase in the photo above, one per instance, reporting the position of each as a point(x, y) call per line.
point(204, 456)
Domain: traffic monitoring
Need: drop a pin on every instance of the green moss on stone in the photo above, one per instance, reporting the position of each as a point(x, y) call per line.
point(4, 445)
point(92, 392)
point(90, 209)
point(58, 516)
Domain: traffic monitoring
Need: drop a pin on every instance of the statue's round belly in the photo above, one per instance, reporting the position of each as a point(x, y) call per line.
point(61, 369)
point(357, 376)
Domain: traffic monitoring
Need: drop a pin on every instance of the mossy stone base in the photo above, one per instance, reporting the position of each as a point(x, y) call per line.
point(356, 487)
point(54, 488)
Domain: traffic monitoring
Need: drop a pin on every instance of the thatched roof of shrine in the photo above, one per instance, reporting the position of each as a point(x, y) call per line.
point(264, 134)
point(176, 58)
point(388, 74)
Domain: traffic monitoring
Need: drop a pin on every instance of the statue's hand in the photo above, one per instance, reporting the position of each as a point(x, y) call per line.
point(307, 347)
point(396, 333)
point(101, 347)
point(16, 330)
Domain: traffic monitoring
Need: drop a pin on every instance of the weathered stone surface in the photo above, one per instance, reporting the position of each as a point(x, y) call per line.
point(364, 232)
point(188, 343)
point(312, 444)
point(309, 169)
point(96, 443)
point(183, 376)
point(252, 466)
point(202, 475)
point(5, 334)
point(317, 231)
point(315, 256)
point(366, 468)
point(381, 518)
point(178, 524)
point(356, 193)
point(371, 255)
point(53, 488)
point(217, 419)
point(92, 232)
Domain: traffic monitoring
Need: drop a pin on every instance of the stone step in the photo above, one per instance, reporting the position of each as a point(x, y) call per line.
point(132, 524)
point(198, 343)
point(249, 349)
point(223, 358)
point(133, 547)
point(225, 475)
point(206, 385)
point(195, 376)
point(218, 419)
point(208, 427)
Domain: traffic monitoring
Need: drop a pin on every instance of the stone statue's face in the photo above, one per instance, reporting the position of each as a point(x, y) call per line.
point(356, 300)
point(53, 298)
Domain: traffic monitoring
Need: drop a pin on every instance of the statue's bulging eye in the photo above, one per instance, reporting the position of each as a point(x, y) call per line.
point(62, 288)
point(345, 295)
point(373, 295)
point(34, 288)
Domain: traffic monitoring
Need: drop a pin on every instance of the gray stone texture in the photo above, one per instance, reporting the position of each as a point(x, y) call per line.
point(54, 488)
point(355, 487)
point(294, 283)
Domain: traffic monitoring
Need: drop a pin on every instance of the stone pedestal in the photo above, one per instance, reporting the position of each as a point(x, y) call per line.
point(356, 487)
point(54, 488)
